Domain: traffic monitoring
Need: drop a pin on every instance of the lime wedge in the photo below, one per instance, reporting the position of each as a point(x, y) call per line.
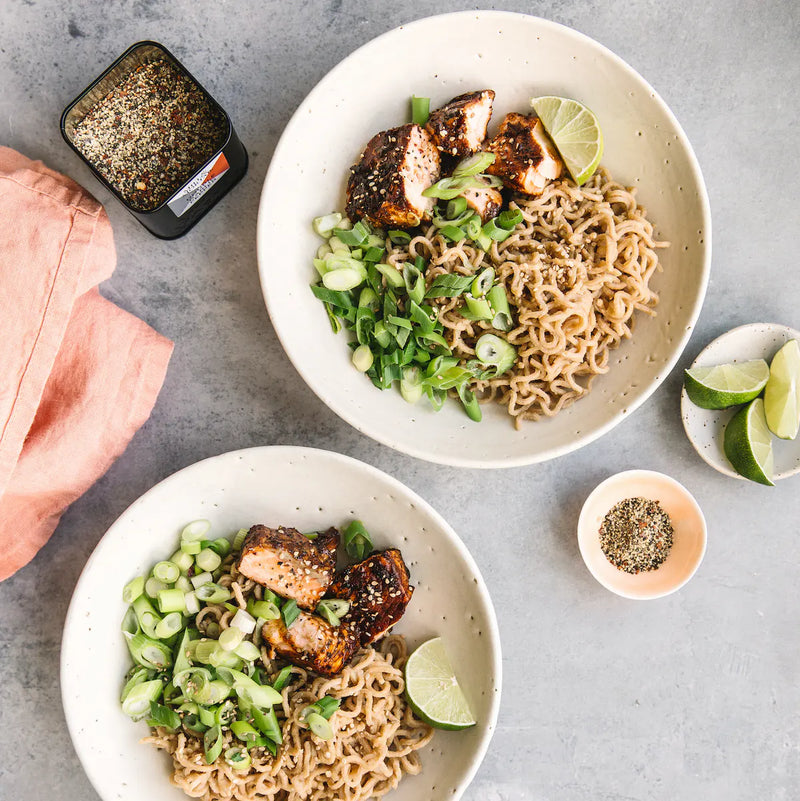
point(575, 131)
point(432, 688)
point(726, 384)
point(748, 443)
point(782, 394)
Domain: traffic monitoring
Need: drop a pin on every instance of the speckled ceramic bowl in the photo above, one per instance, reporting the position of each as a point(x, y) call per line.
point(689, 534)
point(309, 489)
point(519, 57)
point(706, 427)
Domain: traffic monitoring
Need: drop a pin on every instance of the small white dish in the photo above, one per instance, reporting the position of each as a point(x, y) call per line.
point(308, 489)
point(705, 428)
point(518, 56)
point(689, 534)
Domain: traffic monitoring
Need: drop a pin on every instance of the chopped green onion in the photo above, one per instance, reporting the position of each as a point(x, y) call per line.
point(221, 546)
point(203, 651)
point(212, 744)
point(326, 706)
point(171, 601)
point(357, 541)
point(200, 579)
point(161, 715)
point(238, 758)
point(133, 589)
point(452, 232)
point(494, 231)
point(138, 675)
point(399, 237)
point(449, 285)
point(337, 246)
point(230, 638)
point(207, 716)
point(170, 624)
point(290, 612)
point(449, 188)
point(474, 164)
point(478, 308)
point(411, 384)
point(137, 702)
point(482, 283)
point(244, 731)
point(247, 651)
point(282, 679)
point(146, 615)
point(355, 237)
point(153, 586)
point(212, 628)
point(333, 610)
point(420, 110)
point(362, 358)
point(320, 726)
point(266, 610)
point(148, 652)
point(267, 724)
point(456, 207)
point(191, 548)
point(208, 559)
point(394, 278)
point(414, 281)
point(509, 219)
point(368, 299)
point(222, 658)
point(262, 696)
point(498, 300)
point(183, 560)
point(183, 584)
point(167, 572)
point(212, 593)
point(182, 652)
point(325, 224)
point(470, 403)
point(238, 539)
point(224, 714)
point(343, 279)
point(195, 531)
point(493, 351)
point(243, 621)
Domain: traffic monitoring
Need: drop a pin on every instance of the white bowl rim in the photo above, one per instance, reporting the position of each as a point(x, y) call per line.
point(490, 725)
point(410, 448)
point(689, 409)
point(632, 474)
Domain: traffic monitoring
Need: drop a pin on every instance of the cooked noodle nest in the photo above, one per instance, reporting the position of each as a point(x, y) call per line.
point(575, 270)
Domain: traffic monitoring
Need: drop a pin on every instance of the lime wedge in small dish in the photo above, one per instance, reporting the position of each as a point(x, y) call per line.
point(782, 393)
point(575, 132)
point(726, 384)
point(748, 443)
point(432, 688)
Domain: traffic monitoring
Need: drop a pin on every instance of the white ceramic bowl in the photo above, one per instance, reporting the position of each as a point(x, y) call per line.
point(689, 534)
point(309, 489)
point(520, 57)
point(706, 427)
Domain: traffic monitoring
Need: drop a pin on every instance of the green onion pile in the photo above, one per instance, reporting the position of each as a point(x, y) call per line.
point(398, 336)
point(209, 685)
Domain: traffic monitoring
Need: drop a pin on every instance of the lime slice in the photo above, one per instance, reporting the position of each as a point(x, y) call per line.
point(782, 394)
point(748, 443)
point(432, 688)
point(726, 384)
point(575, 131)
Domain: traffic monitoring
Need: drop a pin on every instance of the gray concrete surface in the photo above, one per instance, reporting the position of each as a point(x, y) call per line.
point(694, 696)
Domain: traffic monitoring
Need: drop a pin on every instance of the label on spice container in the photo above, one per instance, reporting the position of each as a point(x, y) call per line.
point(199, 185)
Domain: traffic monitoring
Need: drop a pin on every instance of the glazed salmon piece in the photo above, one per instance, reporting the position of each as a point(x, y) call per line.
point(386, 185)
point(290, 564)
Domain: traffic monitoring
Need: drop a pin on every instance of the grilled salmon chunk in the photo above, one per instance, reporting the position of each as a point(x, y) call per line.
point(386, 185)
point(378, 591)
point(485, 200)
point(289, 564)
point(459, 126)
point(312, 643)
point(526, 159)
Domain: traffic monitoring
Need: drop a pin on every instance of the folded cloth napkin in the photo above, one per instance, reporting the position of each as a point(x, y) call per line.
point(78, 375)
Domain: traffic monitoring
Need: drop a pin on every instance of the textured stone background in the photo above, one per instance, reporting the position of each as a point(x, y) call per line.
point(694, 696)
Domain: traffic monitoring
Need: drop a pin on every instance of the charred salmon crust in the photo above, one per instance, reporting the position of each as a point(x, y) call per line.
point(378, 590)
point(289, 564)
point(386, 185)
point(459, 126)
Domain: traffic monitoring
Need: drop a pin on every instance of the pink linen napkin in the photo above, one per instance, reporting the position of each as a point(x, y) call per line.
point(78, 375)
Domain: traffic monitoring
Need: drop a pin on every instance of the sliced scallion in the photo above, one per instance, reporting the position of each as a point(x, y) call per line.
point(137, 702)
point(509, 218)
point(208, 559)
point(171, 601)
point(238, 539)
point(170, 624)
point(213, 593)
point(470, 403)
point(321, 727)
point(494, 231)
point(474, 164)
point(501, 311)
point(290, 612)
point(153, 586)
point(183, 560)
point(362, 358)
point(212, 744)
point(282, 679)
point(456, 207)
point(161, 715)
point(325, 224)
point(482, 283)
point(247, 651)
point(411, 384)
point(200, 579)
point(267, 724)
point(191, 548)
point(357, 541)
point(148, 652)
point(167, 572)
point(221, 546)
point(238, 758)
point(266, 610)
point(392, 275)
point(493, 351)
point(243, 621)
point(343, 279)
point(420, 110)
point(230, 638)
point(195, 531)
point(133, 589)
point(333, 610)
point(478, 308)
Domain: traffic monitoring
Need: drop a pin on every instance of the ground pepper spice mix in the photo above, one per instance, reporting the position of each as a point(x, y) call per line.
point(636, 535)
point(150, 133)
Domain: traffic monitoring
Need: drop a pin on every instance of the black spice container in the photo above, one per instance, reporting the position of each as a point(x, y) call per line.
point(153, 135)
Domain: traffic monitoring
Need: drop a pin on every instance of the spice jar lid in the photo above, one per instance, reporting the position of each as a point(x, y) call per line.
point(689, 534)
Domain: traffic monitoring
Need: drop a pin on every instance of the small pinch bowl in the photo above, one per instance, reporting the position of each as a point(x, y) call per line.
point(689, 538)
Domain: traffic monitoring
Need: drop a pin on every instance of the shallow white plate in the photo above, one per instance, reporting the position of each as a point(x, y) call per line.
point(309, 489)
point(706, 427)
point(688, 543)
point(519, 57)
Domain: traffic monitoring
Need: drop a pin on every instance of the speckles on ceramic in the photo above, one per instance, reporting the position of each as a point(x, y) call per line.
point(705, 428)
